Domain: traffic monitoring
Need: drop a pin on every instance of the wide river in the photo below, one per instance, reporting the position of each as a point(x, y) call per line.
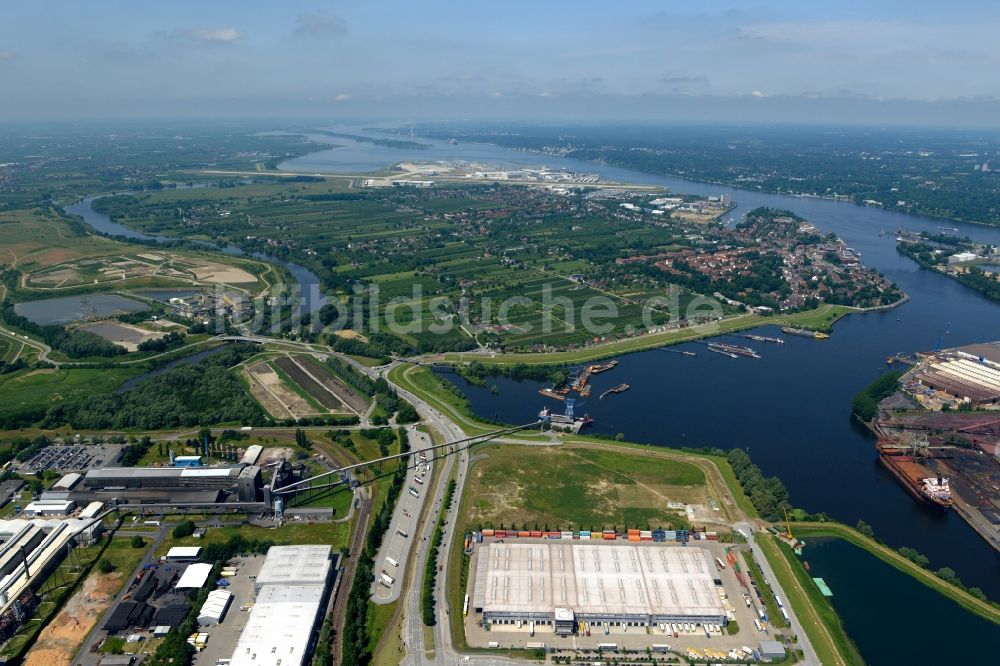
point(790, 409)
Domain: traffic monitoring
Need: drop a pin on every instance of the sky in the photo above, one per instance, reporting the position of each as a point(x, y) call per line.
point(884, 61)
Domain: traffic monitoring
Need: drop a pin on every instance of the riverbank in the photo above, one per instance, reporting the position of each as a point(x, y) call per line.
point(983, 609)
point(821, 319)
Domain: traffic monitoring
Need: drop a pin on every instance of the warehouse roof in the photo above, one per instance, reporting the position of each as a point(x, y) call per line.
point(597, 579)
point(68, 481)
point(183, 552)
point(194, 576)
point(214, 607)
point(252, 454)
point(162, 472)
point(280, 624)
point(295, 565)
point(92, 510)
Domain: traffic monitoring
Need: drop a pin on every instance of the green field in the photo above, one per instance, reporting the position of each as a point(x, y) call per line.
point(332, 534)
point(49, 387)
point(576, 487)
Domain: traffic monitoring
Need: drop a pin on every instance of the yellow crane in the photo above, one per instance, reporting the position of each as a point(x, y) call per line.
point(788, 526)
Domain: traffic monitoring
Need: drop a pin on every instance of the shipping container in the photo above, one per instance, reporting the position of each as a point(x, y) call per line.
point(555, 535)
point(535, 533)
point(610, 536)
point(488, 533)
point(523, 533)
point(634, 537)
point(566, 534)
point(584, 534)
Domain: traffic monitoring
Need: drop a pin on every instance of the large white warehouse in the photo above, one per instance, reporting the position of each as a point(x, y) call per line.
point(558, 584)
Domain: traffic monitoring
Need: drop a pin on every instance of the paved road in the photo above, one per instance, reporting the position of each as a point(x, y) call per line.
point(84, 657)
point(405, 519)
point(810, 656)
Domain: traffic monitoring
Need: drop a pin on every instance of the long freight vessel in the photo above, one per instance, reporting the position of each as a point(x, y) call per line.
point(601, 367)
point(934, 490)
point(763, 338)
point(621, 388)
point(733, 349)
point(804, 332)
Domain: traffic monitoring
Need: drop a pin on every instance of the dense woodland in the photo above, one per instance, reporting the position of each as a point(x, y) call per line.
point(204, 393)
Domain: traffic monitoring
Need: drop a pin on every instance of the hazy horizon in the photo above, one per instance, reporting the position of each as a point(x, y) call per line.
point(907, 63)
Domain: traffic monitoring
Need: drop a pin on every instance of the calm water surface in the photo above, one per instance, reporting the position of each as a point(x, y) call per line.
point(790, 409)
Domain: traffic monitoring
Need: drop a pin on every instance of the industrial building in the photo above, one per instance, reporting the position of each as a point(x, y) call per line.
point(560, 585)
point(971, 374)
point(194, 577)
point(29, 551)
point(187, 461)
point(214, 608)
point(294, 565)
point(183, 554)
point(166, 485)
point(292, 589)
point(50, 507)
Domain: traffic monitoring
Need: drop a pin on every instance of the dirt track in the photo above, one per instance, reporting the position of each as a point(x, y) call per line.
point(60, 640)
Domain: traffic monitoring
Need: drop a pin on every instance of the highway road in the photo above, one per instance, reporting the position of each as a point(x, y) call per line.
point(809, 653)
point(405, 521)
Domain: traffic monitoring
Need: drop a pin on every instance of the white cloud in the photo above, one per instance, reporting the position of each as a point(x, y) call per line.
point(6, 55)
point(342, 97)
point(758, 93)
point(319, 24)
point(215, 35)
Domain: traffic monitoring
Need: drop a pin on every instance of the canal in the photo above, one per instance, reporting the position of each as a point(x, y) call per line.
point(892, 619)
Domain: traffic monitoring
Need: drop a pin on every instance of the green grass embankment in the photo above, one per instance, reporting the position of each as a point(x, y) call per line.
point(983, 609)
point(821, 318)
point(820, 621)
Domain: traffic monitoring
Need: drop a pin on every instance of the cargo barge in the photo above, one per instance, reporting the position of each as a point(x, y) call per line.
point(621, 388)
point(719, 350)
point(763, 338)
point(549, 393)
point(934, 491)
point(804, 332)
point(733, 349)
point(601, 367)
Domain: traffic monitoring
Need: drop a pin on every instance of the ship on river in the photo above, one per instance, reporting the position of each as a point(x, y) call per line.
point(933, 490)
point(735, 350)
point(763, 338)
point(804, 332)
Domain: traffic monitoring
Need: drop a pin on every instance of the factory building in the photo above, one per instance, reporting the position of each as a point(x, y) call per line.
point(167, 485)
point(294, 565)
point(187, 461)
point(292, 591)
point(49, 507)
point(29, 551)
point(560, 585)
point(971, 374)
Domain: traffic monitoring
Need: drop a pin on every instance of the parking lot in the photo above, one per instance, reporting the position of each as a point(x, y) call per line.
point(398, 543)
point(72, 458)
point(222, 637)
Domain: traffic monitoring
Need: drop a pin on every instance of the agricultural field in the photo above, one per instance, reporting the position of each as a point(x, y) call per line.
point(418, 254)
point(577, 486)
